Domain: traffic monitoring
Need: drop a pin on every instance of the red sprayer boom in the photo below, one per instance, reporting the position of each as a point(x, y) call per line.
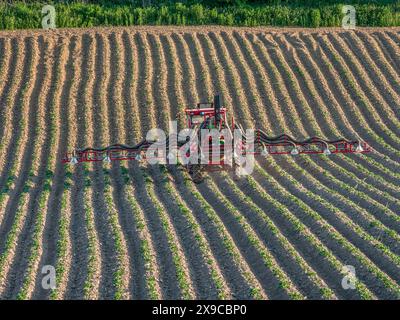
point(214, 116)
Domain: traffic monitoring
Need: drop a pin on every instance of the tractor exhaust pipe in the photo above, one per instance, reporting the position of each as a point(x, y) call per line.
point(217, 107)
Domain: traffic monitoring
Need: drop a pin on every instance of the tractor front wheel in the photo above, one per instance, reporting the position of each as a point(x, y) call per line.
point(196, 173)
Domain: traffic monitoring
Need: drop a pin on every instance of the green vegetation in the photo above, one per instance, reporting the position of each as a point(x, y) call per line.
point(145, 240)
point(267, 257)
point(227, 241)
point(120, 273)
point(299, 226)
point(182, 275)
point(326, 292)
point(200, 239)
point(306, 13)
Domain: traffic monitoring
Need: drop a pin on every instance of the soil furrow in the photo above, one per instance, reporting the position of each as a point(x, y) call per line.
point(208, 82)
point(7, 68)
point(14, 73)
point(176, 243)
point(374, 50)
point(326, 233)
point(311, 120)
point(174, 80)
point(338, 221)
point(133, 133)
point(326, 100)
point(309, 97)
point(285, 254)
point(321, 258)
point(22, 106)
point(347, 106)
point(390, 45)
point(187, 70)
point(77, 230)
point(131, 230)
point(288, 99)
point(145, 110)
point(354, 96)
point(218, 54)
point(33, 166)
point(46, 172)
point(165, 257)
point(116, 132)
point(13, 99)
point(322, 113)
point(55, 199)
point(336, 114)
point(254, 253)
point(109, 259)
point(381, 99)
point(235, 91)
point(137, 285)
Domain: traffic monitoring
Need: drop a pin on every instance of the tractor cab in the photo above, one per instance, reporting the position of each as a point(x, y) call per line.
point(204, 111)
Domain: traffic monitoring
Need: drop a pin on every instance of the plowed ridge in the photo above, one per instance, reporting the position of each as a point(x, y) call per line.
point(129, 230)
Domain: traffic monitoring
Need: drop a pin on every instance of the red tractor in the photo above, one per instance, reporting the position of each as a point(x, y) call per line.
point(213, 116)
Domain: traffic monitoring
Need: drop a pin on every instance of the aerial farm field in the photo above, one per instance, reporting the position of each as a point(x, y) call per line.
point(128, 230)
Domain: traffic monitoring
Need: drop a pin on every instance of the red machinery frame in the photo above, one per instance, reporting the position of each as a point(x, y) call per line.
point(213, 115)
